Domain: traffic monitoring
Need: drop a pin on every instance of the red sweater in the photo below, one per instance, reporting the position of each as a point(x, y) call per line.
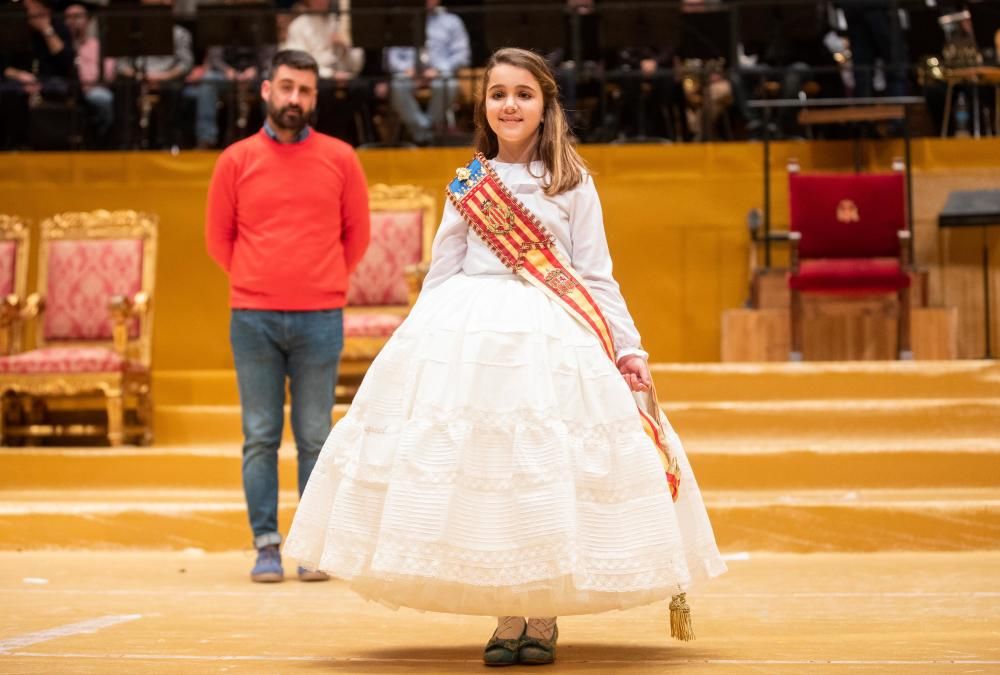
point(288, 222)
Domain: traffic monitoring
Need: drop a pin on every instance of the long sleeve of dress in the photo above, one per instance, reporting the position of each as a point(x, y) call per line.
point(591, 257)
point(449, 248)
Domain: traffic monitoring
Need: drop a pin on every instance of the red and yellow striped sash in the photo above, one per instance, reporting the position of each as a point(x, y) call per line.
point(523, 245)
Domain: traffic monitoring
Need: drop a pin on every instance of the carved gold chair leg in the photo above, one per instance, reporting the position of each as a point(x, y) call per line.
point(115, 404)
point(144, 415)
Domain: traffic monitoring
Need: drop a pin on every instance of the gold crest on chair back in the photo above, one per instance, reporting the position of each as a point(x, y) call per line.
point(386, 282)
point(14, 242)
point(93, 325)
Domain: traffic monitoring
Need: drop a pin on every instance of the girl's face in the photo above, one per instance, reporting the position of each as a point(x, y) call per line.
point(514, 104)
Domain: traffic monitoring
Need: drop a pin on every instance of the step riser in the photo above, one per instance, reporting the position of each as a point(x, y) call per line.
point(840, 380)
point(831, 528)
point(181, 425)
point(802, 471)
point(24, 470)
point(739, 528)
point(709, 382)
point(956, 421)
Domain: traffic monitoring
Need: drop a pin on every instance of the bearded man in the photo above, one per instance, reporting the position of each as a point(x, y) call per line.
point(287, 219)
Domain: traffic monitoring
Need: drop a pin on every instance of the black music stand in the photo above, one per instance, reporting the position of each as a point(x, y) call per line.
point(630, 26)
point(540, 27)
point(132, 30)
point(975, 208)
point(925, 37)
point(985, 21)
point(707, 34)
point(15, 35)
point(638, 27)
point(248, 24)
point(377, 24)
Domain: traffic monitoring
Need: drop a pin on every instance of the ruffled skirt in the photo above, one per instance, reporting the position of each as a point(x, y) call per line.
point(493, 463)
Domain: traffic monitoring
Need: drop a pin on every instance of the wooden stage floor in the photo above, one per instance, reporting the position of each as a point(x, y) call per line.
point(196, 612)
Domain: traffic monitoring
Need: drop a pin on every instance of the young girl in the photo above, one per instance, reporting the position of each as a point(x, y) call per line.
point(494, 460)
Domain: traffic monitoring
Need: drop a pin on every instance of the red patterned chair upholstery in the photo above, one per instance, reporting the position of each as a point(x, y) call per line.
point(14, 243)
point(387, 281)
point(849, 236)
point(93, 321)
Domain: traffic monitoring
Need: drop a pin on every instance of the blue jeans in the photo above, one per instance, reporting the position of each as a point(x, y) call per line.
point(206, 95)
point(269, 346)
point(444, 90)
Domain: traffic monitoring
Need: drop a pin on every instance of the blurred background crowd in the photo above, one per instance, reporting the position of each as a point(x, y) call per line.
point(178, 74)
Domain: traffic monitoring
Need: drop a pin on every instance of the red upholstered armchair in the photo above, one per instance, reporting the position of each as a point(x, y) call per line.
point(386, 282)
point(93, 316)
point(13, 280)
point(848, 236)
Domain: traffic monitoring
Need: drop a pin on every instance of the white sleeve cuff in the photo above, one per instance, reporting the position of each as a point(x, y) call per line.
point(632, 351)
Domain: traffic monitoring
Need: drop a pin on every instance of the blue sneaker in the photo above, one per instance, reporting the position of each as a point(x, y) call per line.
point(268, 567)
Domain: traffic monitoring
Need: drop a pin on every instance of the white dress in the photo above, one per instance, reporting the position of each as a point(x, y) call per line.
point(493, 461)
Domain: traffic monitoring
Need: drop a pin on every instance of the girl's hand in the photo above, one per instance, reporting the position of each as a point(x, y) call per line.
point(635, 371)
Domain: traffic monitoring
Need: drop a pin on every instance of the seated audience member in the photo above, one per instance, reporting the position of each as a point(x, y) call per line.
point(649, 101)
point(97, 96)
point(577, 65)
point(797, 60)
point(701, 68)
point(47, 72)
point(870, 32)
point(159, 81)
point(325, 35)
point(225, 70)
point(446, 49)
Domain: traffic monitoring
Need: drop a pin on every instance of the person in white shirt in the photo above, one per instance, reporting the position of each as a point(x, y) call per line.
point(324, 32)
point(445, 51)
point(326, 36)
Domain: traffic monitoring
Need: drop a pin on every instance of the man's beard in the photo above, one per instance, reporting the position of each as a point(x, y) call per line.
point(290, 117)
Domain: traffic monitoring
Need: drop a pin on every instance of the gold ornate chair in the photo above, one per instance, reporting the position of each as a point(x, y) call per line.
point(386, 282)
point(14, 243)
point(93, 316)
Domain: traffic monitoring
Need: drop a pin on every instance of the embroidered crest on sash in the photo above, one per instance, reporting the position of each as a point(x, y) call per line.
point(499, 220)
point(559, 281)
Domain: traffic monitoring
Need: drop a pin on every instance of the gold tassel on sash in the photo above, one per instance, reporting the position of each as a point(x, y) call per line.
point(680, 618)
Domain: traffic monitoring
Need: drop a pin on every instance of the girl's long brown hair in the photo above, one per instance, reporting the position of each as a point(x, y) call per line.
point(564, 167)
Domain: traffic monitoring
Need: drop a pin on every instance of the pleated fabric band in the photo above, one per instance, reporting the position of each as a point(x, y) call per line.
point(524, 246)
